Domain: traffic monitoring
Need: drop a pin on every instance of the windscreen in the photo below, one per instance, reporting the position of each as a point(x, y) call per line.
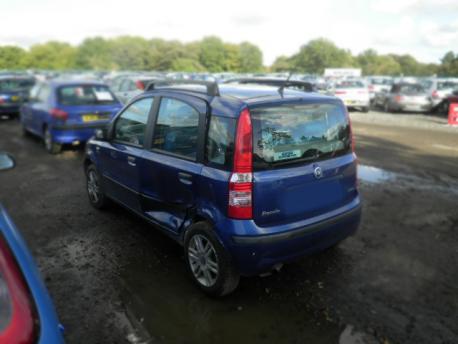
point(16, 84)
point(85, 95)
point(292, 134)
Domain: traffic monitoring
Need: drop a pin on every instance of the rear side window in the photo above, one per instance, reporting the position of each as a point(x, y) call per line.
point(85, 95)
point(220, 141)
point(177, 128)
point(292, 134)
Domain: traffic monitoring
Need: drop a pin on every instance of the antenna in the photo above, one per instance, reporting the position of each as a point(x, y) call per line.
point(282, 87)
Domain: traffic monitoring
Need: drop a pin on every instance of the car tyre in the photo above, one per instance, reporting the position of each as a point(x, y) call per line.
point(94, 188)
point(51, 146)
point(365, 109)
point(386, 107)
point(208, 263)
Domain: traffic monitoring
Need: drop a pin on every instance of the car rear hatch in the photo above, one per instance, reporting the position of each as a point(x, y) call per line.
point(87, 104)
point(302, 161)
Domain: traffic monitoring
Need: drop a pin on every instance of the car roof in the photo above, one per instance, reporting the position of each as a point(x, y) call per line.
point(234, 96)
point(57, 83)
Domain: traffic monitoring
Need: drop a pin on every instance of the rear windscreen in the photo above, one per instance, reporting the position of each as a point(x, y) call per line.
point(292, 134)
point(16, 84)
point(85, 95)
point(350, 84)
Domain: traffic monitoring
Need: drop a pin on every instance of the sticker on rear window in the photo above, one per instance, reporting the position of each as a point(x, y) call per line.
point(103, 95)
point(287, 155)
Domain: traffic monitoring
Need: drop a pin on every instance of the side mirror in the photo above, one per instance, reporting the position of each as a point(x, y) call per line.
point(6, 162)
point(101, 134)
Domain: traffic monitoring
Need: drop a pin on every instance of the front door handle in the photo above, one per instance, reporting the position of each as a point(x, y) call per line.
point(131, 161)
point(185, 178)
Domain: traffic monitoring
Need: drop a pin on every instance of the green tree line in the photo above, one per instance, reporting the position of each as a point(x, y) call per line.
point(136, 53)
point(321, 53)
point(211, 54)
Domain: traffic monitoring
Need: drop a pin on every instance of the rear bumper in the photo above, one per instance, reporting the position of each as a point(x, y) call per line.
point(260, 253)
point(357, 103)
point(69, 134)
point(9, 108)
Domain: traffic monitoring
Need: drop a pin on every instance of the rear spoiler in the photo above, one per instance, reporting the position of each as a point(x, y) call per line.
point(303, 85)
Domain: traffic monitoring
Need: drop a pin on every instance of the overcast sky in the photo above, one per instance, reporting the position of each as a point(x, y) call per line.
point(426, 29)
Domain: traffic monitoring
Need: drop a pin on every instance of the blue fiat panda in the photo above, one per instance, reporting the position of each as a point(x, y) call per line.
point(245, 177)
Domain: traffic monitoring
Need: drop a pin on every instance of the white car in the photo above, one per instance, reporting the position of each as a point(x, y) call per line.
point(354, 94)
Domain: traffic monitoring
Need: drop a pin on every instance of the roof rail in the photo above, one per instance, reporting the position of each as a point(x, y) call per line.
point(211, 86)
point(303, 85)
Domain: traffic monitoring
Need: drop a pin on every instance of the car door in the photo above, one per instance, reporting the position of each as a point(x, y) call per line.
point(26, 108)
point(39, 110)
point(120, 156)
point(172, 163)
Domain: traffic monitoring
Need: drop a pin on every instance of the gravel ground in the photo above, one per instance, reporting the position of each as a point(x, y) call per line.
point(114, 279)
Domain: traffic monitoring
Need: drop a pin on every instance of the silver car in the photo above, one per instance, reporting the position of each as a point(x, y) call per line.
point(404, 97)
point(439, 89)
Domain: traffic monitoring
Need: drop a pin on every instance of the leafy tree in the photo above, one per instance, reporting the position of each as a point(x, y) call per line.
point(374, 64)
point(282, 64)
point(11, 57)
point(319, 54)
point(131, 53)
point(94, 53)
point(231, 57)
point(250, 58)
point(212, 54)
point(51, 55)
point(187, 65)
point(449, 66)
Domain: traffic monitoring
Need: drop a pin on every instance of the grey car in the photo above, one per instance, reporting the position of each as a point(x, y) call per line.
point(130, 86)
point(404, 97)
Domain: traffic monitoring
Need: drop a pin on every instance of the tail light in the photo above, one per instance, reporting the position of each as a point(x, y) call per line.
point(17, 319)
point(435, 94)
point(371, 88)
point(140, 85)
point(241, 182)
point(59, 114)
point(398, 99)
point(340, 92)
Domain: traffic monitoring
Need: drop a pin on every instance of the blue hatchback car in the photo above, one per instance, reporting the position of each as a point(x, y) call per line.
point(245, 177)
point(26, 311)
point(68, 112)
point(14, 91)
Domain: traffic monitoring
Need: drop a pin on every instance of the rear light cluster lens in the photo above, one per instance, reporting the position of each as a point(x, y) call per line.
point(140, 85)
point(59, 114)
point(398, 98)
point(341, 92)
point(241, 182)
point(435, 94)
point(17, 321)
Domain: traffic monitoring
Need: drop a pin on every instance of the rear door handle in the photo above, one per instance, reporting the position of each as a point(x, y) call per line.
point(131, 161)
point(185, 178)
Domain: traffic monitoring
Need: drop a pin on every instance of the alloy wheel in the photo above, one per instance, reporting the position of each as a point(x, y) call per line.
point(203, 260)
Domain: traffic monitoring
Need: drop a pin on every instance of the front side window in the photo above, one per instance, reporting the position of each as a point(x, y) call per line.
point(176, 130)
point(301, 133)
point(130, 126)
